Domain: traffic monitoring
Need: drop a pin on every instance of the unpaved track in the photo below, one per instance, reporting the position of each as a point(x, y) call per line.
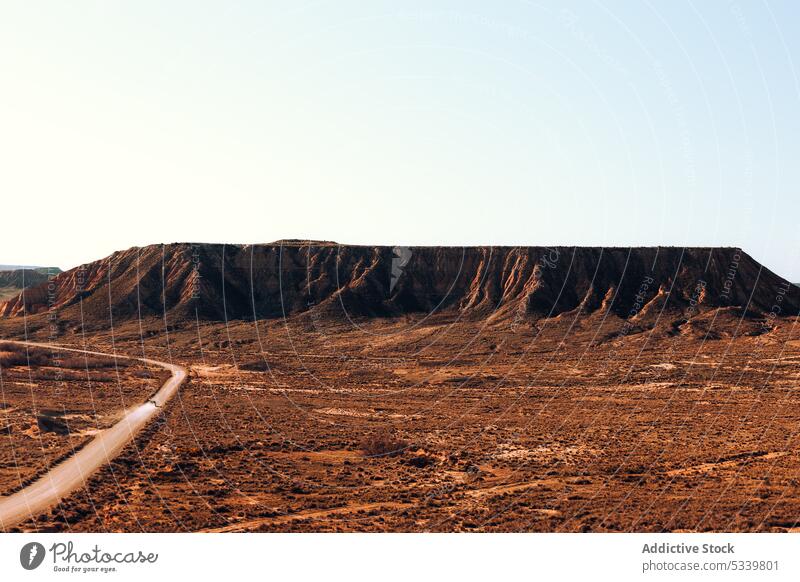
point(73, 473)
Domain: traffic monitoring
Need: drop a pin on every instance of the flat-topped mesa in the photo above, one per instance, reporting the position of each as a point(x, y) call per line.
point(282, 279)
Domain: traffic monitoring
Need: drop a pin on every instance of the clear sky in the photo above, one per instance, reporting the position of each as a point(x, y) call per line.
point(515, 123)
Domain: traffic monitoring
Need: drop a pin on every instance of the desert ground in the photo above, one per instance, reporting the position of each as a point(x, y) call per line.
point(53, 402)
point(445, 426)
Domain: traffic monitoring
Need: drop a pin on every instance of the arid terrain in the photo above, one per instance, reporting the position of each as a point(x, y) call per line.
point(54, 402)
point(340, 388)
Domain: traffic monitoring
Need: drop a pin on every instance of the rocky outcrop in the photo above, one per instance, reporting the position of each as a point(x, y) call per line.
point(287, 278)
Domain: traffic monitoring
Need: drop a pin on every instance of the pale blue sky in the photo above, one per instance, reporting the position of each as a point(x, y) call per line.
point(518, 123)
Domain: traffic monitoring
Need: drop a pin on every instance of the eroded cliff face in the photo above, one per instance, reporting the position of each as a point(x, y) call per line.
point(285, 279)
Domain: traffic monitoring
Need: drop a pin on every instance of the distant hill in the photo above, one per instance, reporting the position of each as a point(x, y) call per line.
point(13, 280)
point(43, 270)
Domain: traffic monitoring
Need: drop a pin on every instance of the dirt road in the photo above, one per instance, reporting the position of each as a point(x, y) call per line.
point(73, 473)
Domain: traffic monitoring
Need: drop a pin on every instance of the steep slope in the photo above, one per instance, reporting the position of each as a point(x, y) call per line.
point(292, 277)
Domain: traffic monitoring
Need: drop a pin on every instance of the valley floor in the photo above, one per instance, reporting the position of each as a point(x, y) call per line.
point(447, 425)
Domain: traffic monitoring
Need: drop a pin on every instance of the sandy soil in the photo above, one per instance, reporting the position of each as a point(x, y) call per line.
point(393, 425)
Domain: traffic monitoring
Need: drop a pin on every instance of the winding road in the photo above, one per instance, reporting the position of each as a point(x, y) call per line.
point(72, 473)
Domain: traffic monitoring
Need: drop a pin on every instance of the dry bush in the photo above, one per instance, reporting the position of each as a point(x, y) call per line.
point(8, 359)
point(257, 365)
point(383, 444)
point(14, 355)
point(71, 375)
point(92, 362)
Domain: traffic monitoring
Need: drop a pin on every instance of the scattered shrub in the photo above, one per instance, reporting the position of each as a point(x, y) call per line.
point(80, 362)
point(421, 461)
point(257, 365)
point(383, 444)
point(15, 355)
